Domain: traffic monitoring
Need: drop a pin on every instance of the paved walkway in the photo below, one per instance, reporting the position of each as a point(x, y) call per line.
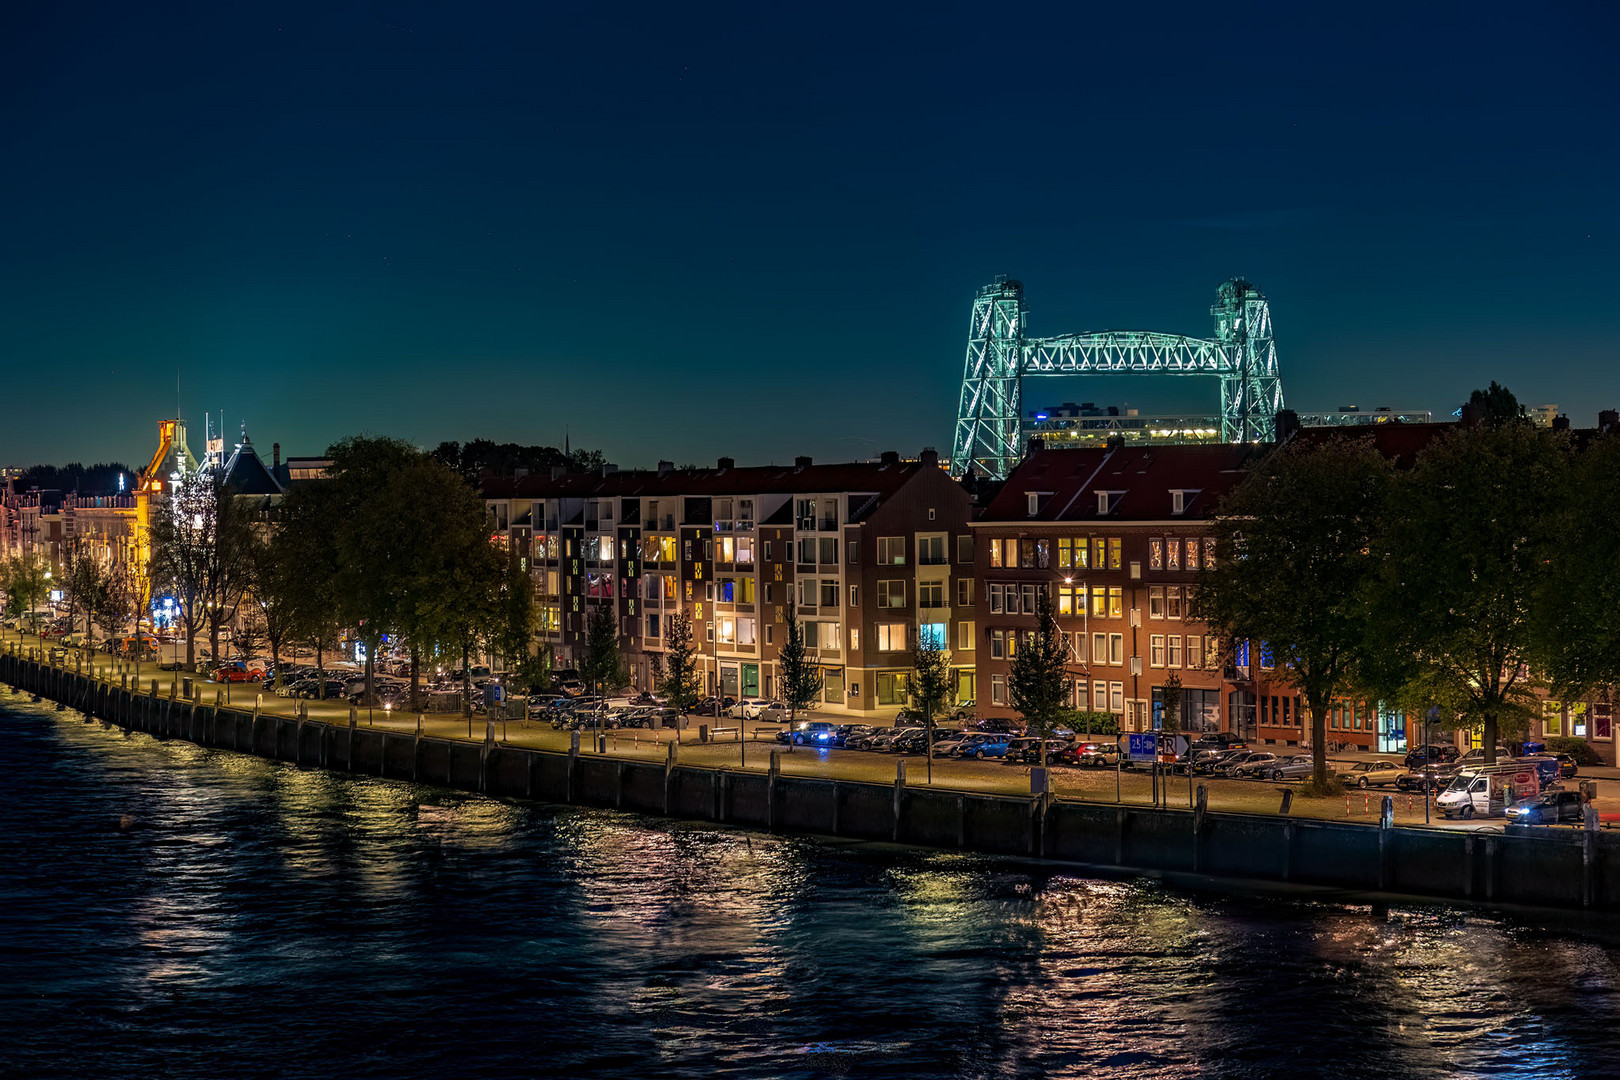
point(753, 752)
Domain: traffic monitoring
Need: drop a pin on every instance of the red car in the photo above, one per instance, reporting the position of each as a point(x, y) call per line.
point(238, 672)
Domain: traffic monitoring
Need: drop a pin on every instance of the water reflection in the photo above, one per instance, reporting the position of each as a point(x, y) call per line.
point(257, 917)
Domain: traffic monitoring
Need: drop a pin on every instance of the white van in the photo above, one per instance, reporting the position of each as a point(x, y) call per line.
point(1487, 791)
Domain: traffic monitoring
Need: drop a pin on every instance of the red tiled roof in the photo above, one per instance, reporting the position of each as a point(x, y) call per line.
point(880, 479)
point(1138, 478)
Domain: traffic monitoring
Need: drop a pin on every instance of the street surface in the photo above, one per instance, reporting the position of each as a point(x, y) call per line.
point(749, 744)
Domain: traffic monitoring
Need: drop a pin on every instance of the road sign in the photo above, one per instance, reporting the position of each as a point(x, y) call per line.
point(1140, 746)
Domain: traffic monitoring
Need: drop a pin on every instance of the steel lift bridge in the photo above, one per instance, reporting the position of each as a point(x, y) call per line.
point(990, 428)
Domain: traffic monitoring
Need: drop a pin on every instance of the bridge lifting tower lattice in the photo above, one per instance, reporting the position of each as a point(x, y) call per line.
point(990, 427)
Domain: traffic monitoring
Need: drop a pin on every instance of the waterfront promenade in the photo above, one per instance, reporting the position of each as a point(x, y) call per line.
point(740, 746)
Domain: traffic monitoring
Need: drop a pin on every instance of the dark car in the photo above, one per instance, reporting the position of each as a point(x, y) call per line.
point(706, 707)
point(1551, 808)
point(844, 734)
point(1566, 766)
point(1211, 762)
point(1429, 755)
point(869, 740)
point(1428, 778)
point(915, 740)
point(996, 724)
point(1218, 740)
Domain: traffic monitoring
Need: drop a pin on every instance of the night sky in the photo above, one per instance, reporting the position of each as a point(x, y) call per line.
point(685, 230)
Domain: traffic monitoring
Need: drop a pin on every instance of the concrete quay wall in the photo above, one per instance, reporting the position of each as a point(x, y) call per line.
point(1529, 866)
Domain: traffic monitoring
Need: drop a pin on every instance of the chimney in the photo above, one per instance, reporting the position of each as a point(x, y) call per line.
point(608, 468)
point(1561, 422)
point(665, 467)
point(929, 456)
point(727, 463)
point(890, 457)
point(1287, 425)
point(800, 463)
point(275, 451)
point(1608, 419)
point(1115, 442)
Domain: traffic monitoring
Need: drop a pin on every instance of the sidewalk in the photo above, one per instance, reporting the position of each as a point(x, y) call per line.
point(754, 753)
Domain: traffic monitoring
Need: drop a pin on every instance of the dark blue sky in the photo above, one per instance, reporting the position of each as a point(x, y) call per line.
point(683, 231)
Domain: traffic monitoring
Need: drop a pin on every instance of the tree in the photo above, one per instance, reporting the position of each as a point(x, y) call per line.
point(1578, 637)
point(680, 681)
point(1467, 550)
point(27, 582)
point(183, 538)
point(298, 585)
point(86, 580)
point(1494, 406)
point(272, 589)
point(513, 638)
point(930, 686)
point(799, 678)
point(1039, 680)
point(1293, 565)
point(229, 565)
point(602, 668)
point(1170, 701)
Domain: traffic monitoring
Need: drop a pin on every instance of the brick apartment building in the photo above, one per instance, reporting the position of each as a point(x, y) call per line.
point(870, 554)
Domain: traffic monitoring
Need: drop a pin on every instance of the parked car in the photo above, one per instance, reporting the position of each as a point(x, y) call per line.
point(915, 740)
point(754, 708)
point(809, 733)
point(1364, 774)
point(1218, 740)
point(1427, 778)
point(1257, 764)
point(1297, 767)
point(1550, 808)
point(1210, 762)
point(238, 671)
point(1428, 755)
point(983, 744)
point(708, 706)
point(1096, 755)
point(995, 724)
point(1566, 766)
point(865, 742)
point(964, 711)
point(844, 734)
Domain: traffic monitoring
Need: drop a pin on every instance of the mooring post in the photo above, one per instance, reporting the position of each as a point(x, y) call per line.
point(573, 764)
point(670, 757)
point(899, 794)
point(1589, 836)
point(1200, 808)
point(770, 788)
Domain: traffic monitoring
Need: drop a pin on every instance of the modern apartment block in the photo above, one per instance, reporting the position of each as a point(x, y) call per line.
point(868, 554)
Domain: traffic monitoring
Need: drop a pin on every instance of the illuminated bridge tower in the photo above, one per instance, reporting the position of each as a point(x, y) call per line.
point(990, 427)
point(988, 433)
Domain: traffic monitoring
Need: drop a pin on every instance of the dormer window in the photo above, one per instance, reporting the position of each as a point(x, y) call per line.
point(1179, 500)
point(1107, 501)
point(1034, 502)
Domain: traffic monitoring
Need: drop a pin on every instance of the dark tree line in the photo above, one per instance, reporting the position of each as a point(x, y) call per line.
point(482, 458)
point(98, 479)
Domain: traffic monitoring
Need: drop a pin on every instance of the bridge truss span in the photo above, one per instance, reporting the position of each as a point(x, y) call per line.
point(991, 429)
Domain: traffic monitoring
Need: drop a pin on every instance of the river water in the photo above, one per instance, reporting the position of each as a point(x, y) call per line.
point(172, 911)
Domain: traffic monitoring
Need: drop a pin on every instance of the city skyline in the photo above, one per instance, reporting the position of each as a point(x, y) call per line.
point(679, 236)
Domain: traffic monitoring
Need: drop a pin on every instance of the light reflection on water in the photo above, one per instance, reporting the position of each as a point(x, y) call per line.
point(261, 920)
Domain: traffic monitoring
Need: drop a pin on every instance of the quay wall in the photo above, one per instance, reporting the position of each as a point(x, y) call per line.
point(1522, 865)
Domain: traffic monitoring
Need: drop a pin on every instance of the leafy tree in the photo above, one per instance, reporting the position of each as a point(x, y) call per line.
point(602, 667)
point(680, 680)
point(800, 680)
point(929, 687)
point(273, 590)
point(1578, 637)
point(27, 582)
point(183, 536)
point(1039, 680)
point(85, 582)
point(298, 585)
point(1293, 568)
point(1170, 701)
point(1467, 550)
point(1496, 405)
point(512, 640)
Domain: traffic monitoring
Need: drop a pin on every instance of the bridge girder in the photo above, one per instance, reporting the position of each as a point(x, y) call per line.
point(990, 427)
